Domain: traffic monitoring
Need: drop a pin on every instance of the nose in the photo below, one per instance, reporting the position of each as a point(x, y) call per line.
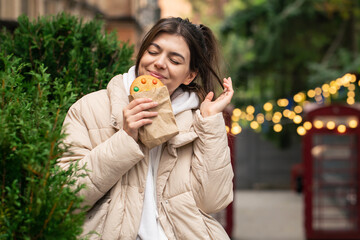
point(160, 62)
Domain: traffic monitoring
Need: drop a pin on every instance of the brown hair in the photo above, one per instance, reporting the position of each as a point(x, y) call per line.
point(203, 52)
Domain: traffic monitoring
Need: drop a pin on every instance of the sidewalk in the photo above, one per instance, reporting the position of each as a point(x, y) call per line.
point(268, 215)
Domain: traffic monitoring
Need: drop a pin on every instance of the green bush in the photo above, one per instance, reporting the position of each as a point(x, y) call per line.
point(44, 67)
point(72, 51)
point(36, 201)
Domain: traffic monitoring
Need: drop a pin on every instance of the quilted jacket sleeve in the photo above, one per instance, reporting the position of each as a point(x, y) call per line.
point(106, 162)
point(211, 165)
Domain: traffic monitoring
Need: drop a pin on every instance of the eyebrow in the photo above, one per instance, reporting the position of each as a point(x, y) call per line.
point(172, 53)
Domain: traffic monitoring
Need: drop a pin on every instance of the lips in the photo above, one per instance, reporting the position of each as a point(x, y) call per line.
point(156, 74)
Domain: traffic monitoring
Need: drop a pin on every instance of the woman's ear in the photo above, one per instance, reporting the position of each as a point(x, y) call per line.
point(192, 75)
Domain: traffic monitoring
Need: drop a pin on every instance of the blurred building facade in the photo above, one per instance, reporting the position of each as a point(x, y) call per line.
point(130, 18)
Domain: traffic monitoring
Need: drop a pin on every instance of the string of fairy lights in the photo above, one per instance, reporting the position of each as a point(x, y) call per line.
point(276, 113)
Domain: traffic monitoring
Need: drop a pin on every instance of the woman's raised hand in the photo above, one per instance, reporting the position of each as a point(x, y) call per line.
point(136, 115)
point(209, 107)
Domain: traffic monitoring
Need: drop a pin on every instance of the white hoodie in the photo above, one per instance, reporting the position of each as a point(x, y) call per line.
point(150, 228)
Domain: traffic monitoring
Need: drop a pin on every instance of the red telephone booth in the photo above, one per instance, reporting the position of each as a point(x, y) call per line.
point(332, 173)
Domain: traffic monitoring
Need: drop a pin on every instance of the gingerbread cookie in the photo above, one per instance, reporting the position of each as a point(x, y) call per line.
point(144, 83)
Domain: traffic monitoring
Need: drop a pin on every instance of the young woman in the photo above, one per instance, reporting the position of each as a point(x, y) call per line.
point(168, 191)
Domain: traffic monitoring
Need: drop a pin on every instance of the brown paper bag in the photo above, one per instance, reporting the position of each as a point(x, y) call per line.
point(163, 126)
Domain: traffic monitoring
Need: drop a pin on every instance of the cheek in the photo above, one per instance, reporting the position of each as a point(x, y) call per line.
point(142, 65)
point(144, 59)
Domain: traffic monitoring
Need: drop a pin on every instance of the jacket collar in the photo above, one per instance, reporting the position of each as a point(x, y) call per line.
point(118, 100)
point(184, 121)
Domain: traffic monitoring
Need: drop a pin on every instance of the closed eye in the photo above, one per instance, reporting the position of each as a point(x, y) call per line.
point(175, 57)
point(174, 61)
point(152, 52)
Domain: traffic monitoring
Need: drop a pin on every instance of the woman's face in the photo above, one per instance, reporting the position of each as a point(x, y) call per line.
point(168, 59)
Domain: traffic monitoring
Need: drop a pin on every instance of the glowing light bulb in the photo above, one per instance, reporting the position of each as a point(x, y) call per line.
point(278, 114)
point(351, 94)
point(268, 106)
point(250, 109)
point(291, 115)
point(283, 102)
point(333, 90)
point(330, 125)
point(333, 83)
point(297, 98)
point(353, 78)
point(260, 118)
point(307, 125)
point(311, 93)
point(297, 119)
point(237, 112)
point(277, 127)
point(339, 82)
point(286, 112)
point(326, 94)
point(298, 109)
point(350, 100)
point(347, 78)
point(254, 125)
point(351, 87)
point(301, 130)
point(235, 118)
point(249, 117)
point(236, 130)
point(318, 91)
point(341, 128)
point(276, 119)
point(318, 124)
point(325, 87)
point(353, 123)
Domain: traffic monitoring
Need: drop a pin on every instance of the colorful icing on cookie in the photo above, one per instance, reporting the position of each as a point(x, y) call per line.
point(144, 83)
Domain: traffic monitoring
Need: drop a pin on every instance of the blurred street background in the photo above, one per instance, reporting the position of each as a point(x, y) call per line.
point(293, 123)
point(272, 215)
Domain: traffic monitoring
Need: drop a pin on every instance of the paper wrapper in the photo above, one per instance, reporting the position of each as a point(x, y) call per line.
point(164, 125)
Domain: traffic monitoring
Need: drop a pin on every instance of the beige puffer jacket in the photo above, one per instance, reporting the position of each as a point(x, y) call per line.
point(194, 174)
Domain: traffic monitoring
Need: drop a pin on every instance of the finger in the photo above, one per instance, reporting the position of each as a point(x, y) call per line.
point(130, 118)
point(209, 96)
point(142, 115)
point(142, 106)
point(227, 83)
point(138, 101)
point(138, 124)
point(228, 90)
point(230, 84)
point(229, 87)
point(134, 122)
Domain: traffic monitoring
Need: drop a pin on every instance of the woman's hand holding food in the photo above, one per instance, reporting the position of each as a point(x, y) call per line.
point(136, 115)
